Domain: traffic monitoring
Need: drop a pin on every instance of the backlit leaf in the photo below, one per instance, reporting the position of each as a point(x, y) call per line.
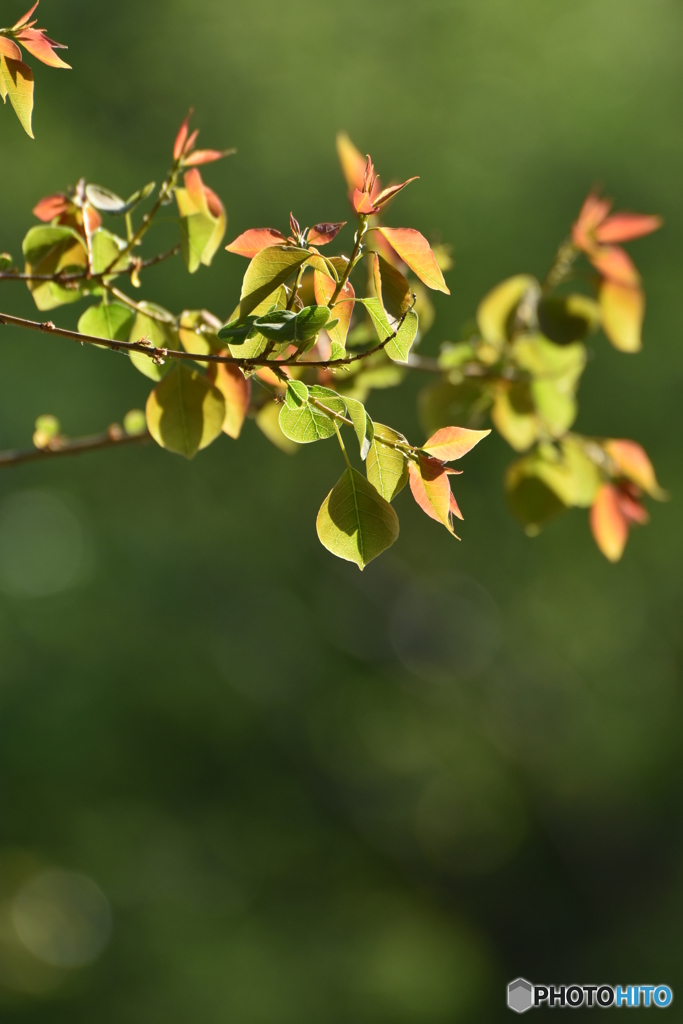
point(185, 412)
point(608, 524)
point(453, 442)
point(352, 161)
point(17, 81)
point(203, 221)
point(630, 460)
point(324, 289)
point(110, 320)
point(105, 248)
point(49, 250)
point(529, 498)
point(303, 422)
point(386, 467)
point(355, 522)
point(51, 206)
point(206, 156)
point(39, 45)
point(251, 242)
point(198, 331)
point(431, 488)
point(386, 194)
point(267, 271)
point(392, 288)
point(236, 391)
point(497, 310)
point(442, 403)
point(268, 421)
point(623, 227)
point(8, 48)
point(513, 414)
point(622, 308)
point(616, 265)
point(362, 424)
point(321, 234)
point(161, 333)
point(416, 252)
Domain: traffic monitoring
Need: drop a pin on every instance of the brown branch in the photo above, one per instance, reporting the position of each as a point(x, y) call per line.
point(112, 438)
point(82, 275)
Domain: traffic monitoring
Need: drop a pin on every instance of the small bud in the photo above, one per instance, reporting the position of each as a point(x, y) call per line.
point(46, 431)
point(135, 422)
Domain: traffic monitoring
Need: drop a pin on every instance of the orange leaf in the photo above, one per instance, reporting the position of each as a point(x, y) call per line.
point(324, 287)
point(38, 44)
point(630, 507)
point(190, 142)
point(622, 227)
point(321, 234)
point(252, 241)
point(431, 489)
point(616, 265)
point(622, 309)
point(415, 251)
point(608, 524)
point(389, 193)
point(181, 137)
point(22, 21)
point(9, 48)
point(454, 508)
point(51, 206)
point(352, 161)
point(453, 442)
point(592, 213)
point(236, 391)
point(631, 461)
point(362, 202)
point(206, 156)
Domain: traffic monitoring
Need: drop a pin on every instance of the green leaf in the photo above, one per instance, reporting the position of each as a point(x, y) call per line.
point(355, 522)
point(530, 500)
point(399, 347)
point(267, 420)
point(387, 468)
point(203, 221)
point(302, 422)
point(267, 271)
point(362, 424)
point(198, 331)
point(514, 414)
point(379, 318)
point(160, 334)
point(497, 310)
point(568, 318)
point(105, 248)
point(549, 479)
point(49, 250)
point(17, 82)
point(393, 290)
point(555, 370)
point(185, 411)
point(112, 320)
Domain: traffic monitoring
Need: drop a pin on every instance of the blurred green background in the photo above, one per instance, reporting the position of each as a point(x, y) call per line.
point(306, 794)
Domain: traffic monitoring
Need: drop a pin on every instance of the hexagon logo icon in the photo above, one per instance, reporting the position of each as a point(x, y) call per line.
point(520, 995)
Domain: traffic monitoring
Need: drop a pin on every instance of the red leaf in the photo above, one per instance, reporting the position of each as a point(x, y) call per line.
point(51, 206)
point(181, 137)
point(213, 202)
point(431, 489)
point(454, 507)
point(630, 460)
point(352, 161)
point(616, 265)
point(38, 44)
point(608, 524)
point(631, 509)
point(206, 156)
point(453, 442)
point(251, 242)
point(8, 48)
point(415, 251)
point(362, 202)
point(389, 193)
point(22, 21)
point(321, 234)
point(91, 219)
point(622, 227)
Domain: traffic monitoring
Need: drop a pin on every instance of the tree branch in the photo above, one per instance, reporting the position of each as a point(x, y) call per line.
point(112, 438)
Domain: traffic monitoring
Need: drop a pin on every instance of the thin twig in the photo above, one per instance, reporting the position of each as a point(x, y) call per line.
point(73, 446)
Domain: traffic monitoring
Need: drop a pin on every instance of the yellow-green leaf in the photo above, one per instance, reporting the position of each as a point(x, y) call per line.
point(355, 522)
point(17, 80)
point(185, 412)
point(386, 467)
point(496, 310)
point(161, 333)
point(49, 250)
point(267, 271)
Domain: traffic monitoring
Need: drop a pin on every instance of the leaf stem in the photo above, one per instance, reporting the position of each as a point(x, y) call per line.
point(341, 443)
point(355, 255)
